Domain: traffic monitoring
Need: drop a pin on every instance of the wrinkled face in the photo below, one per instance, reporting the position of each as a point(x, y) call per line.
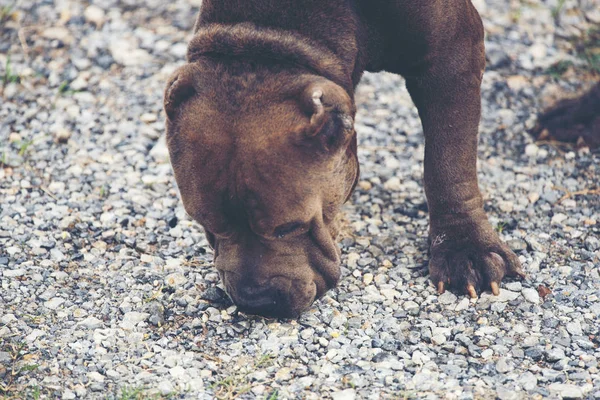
point(266, 182)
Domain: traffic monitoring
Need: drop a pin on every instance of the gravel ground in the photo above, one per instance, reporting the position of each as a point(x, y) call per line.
point(107, 288)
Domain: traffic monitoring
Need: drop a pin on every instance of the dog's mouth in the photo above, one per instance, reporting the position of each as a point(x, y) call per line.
point(278, 282)
point(277, 297)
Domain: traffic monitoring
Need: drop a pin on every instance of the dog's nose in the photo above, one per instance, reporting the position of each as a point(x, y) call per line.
point(269, 301)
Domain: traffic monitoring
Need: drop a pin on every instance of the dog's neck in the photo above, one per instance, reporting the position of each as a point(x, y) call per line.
point(249, 40)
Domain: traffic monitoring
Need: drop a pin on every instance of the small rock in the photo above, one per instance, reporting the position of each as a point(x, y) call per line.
point(166, 388)
point(62, 135)
point(532, 150)
point(517, 245)
point(148, 118)
point(214, 295)
point(566, 391)
point(531, 295)
point(57, 255)
point(157, 313)
point(487, 353)
point(438, 339)
point(392, 184)
point(160, 152)
point(447, 298)
point(558, 218)
point(538, 51)
point(463, 304)
point(504, 393)
point(528, 381)
point(592, 243)
point(125, 51)
point(175, 279)
point(502, 366)
point(555, 354)
point(91, 323)
point(283, 374)
point(517, 82)
point(347, 394)
point(96, 376)
point(574, 328)
point(132, 318)
point(504, 296)
point(535, 353)
point(8, 318)
point(177, 372)
point(57, 33)
point(54, 303)
point(94, 15)
point(533, 197)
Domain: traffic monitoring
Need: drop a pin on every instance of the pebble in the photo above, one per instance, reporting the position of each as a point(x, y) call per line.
point(175, 279)
point(463, 304)
point(558, 219)
point(555, 354)
point(531, 295)
point(447, 298)
point(132, 318)
point(566, 391)
point(392, 184)
point(504, 296)
point(95, 376)
point(502, 366)
point(126, 51)
point(165, 388)
point(54, 303)
point(62, 135)
point(528, 381)
point(91, 323)
point(574, 328)
point(95, 15)
point(505, 393)
point(157, 313)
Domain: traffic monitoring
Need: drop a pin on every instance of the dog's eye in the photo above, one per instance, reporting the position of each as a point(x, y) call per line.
point(286, 229)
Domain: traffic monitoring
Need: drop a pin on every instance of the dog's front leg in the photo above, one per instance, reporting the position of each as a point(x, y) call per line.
point(466, 253)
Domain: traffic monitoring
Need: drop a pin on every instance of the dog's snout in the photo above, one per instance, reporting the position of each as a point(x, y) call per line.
point(270, 299)
point(269, 302)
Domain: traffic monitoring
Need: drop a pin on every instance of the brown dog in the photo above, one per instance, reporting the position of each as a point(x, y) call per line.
point(260, 132)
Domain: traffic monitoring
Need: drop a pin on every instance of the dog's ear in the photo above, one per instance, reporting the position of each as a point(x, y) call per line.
point(331, 114)
point(179, 89)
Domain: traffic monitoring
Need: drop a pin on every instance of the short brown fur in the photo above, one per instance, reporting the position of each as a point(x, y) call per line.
point(264, 152)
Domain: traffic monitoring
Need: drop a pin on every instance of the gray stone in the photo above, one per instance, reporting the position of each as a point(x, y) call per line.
point(54, 303)
point(347, 394)
point(132, 318)
point(91, 323)
point(531, 295)
point(447, 298)
point(574, 328)
point(566, 391)
point(555, 354)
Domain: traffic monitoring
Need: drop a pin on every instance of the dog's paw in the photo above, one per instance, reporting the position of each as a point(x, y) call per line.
point(471, 261)
point(572, 120)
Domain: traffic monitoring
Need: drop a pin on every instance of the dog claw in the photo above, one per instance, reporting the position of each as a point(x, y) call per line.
point(495, 288)
point(472, 292)
point(441, 288)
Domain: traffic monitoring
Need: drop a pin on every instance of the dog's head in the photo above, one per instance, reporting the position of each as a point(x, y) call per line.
point(263, 160)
